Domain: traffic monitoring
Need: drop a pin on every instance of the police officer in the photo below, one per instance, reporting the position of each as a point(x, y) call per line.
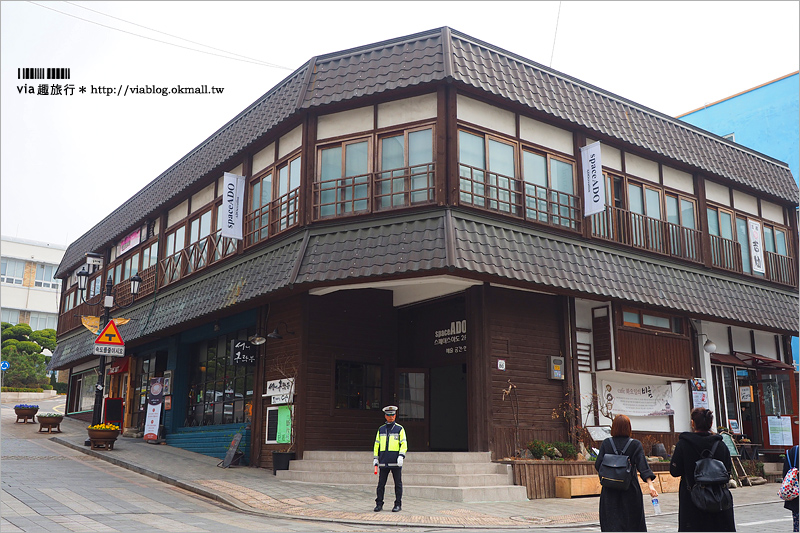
point(389, 453)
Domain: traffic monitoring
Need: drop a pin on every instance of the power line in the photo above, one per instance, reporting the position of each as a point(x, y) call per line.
point(175, 36)
point(553, 51)
point(256, 62)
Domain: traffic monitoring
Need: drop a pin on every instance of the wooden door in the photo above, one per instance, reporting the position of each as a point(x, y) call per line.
point(777, 398)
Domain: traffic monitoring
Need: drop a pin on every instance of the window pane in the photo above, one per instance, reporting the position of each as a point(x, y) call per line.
point(501, 158)
point(561, 176)
point(392, 153)
point(629, 317)
point(780, 242)
point(653, 203)
point(420, 147)
point(673, 217)
point(205, 224)
point(656, 321)
point(713, 222)
point(294, 173)
point(356, 159)
point(255, 197)
point(283, 180)
point(687, 214)
point(134, 265)
point(331, 163)
point(470, 150)
point(725, 226)
point(769, 240)
point(534, 168)
point(741, 237)
point(635, 199)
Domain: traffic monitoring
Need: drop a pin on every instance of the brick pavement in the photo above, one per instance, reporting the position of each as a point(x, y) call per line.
point(257, 491)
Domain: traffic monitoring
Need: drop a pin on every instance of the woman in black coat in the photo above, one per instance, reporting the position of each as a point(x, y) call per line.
point(792, 505)
point(687, 453)
point(623, 510)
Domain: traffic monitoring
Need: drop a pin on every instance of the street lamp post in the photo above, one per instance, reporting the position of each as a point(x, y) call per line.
point(108, 303)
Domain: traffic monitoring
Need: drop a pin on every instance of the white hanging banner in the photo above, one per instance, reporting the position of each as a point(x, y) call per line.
point(232, 206)
point(756, 247)
point(638, 399)
point(594, 191)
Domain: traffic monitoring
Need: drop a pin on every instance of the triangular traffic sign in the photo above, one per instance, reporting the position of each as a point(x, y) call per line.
point(110, 335)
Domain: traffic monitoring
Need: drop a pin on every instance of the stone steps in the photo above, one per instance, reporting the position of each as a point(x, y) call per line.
point(451, 476)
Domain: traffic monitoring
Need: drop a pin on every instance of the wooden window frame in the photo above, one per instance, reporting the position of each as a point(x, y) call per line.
point(646, 327)
point(408, 191)
point(339, 203)
point(576, 205)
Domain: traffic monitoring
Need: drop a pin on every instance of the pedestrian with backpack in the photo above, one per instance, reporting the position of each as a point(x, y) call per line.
point(789, 462)
point(619, 459)
point(703, 463)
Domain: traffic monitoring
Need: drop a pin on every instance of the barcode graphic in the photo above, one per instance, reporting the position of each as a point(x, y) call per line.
point(40, 73)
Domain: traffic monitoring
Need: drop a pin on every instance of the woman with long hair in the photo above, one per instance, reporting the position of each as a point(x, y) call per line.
point(623, 510)
point(691, 445)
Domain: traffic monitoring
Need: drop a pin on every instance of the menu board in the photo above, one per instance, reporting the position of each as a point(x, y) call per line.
point(780, 430)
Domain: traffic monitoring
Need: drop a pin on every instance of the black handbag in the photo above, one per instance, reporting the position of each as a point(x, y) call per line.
point(615, 469)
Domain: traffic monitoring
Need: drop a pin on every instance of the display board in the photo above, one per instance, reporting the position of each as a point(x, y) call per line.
point(113, 412)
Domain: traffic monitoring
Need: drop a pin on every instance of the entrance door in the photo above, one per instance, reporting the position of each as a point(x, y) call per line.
point(448, 401)
point(412, 397)
point(776, 402)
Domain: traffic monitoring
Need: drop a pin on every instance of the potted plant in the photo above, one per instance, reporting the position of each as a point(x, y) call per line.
point(49, 421)
point(102, 436)
point(25, 412)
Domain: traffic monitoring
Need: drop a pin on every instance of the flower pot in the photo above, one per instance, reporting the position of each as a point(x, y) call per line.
point(280, 461)
point(25, 413)
point(103, 439)
point(49, 423)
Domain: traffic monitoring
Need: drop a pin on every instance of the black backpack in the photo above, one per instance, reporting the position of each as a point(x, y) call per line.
point(615, 469)
point(710, 492)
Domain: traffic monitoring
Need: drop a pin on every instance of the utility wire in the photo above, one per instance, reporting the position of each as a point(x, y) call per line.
point(256, 62)
point(175, 36)
point(553, 51)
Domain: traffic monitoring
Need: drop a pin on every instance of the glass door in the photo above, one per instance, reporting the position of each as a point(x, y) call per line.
point(411, 394)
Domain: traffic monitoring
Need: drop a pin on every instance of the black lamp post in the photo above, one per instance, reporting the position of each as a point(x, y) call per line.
point(108, 303)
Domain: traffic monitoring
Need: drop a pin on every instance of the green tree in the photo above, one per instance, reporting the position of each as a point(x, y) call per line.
point(22, 348)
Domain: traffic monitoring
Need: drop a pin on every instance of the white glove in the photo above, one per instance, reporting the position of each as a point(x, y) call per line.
point(375, 462)
point(400, 461)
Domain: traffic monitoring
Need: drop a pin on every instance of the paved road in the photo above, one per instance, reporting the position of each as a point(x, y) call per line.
point(48, 487)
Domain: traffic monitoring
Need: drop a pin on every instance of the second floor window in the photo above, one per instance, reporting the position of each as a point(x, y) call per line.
point(486, 170)
point(284, 213)
point(344, 179)
point(549, 190)
point(12, 271)
point(406, 169)
point(45, 277)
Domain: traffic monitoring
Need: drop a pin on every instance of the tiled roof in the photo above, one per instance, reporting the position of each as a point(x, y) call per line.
point(578, 267)
point(422, 244)
point(432, 56)
point(237, 283)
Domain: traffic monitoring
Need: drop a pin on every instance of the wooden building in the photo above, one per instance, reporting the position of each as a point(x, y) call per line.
point(414, 234)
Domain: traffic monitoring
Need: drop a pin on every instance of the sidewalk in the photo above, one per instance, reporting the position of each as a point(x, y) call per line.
point(256, 490)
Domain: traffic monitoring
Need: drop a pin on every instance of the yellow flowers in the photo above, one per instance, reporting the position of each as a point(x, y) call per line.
point(104, 426)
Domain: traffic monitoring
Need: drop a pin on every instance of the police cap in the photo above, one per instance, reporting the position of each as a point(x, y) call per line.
point(390, 410)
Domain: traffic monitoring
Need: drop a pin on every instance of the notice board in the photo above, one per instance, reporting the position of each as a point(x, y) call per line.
point(113, 412)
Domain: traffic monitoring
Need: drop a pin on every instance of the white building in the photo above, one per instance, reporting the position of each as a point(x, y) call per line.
point(28, 292)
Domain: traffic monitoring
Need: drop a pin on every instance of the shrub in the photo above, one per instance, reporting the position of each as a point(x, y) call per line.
point(61, 388)
point(538, 448)
point(567, 450)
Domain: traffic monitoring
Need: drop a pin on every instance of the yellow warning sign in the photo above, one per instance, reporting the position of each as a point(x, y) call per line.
point(110, 335)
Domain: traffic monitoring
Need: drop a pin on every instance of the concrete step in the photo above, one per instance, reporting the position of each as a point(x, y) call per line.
point(451, 476)
point(419, 457)
point(409, 479)
point(410, 467)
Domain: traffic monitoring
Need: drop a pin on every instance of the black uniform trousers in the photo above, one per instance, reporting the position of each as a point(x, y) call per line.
point(397, 475)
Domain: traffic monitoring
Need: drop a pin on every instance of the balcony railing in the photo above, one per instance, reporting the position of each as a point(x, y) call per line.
point(194, 257)
point(511, 196)
point(726, 254)
point(640, 231)
point(781, 268)
point(373, 192)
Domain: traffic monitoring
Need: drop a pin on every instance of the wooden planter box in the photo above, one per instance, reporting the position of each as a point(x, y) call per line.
point(25, 414)
point(50, 423)
point(539, 477)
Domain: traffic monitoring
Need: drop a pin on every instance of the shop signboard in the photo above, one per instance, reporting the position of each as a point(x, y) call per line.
point(155, 399)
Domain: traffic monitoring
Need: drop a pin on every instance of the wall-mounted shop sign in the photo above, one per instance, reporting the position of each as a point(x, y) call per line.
point(746, 393)
point(130, 240)
point(242, 353)
point(453, 339)
point(278, 387)
point(639, 400)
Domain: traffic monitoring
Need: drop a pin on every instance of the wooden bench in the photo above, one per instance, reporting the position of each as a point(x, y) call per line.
point(589, 485)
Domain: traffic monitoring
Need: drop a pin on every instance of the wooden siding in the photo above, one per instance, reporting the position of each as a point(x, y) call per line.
point(523, 328)
point(645, 352)
point(352, 325)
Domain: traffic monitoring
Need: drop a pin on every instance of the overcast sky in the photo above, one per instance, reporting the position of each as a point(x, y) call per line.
point(69, 160)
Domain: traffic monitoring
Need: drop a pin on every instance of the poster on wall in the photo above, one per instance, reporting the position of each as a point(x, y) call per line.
point(699, 398)
point(284, 435)
point(155, 399)
point(746, 393)
point(780, 430)
point(638, 399)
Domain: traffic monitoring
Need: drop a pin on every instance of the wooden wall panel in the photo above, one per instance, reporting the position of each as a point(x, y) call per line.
point(525, 328)
point(352, 325)
point(659, 355)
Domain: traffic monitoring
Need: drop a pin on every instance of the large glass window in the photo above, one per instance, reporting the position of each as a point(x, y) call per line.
point(149, 255)
point(682, 235)
point(12, 271)
point(9, 315)
point(549, 196)
point(260, 198)
point(406, 175)
point(287, 200)
point(42, 321)
point(220, 392)
point(344, 178)
point(358, 385)
point(45, 277)
point(487, 171)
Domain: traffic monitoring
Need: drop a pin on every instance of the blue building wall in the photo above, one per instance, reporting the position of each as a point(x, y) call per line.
point(766, 119)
